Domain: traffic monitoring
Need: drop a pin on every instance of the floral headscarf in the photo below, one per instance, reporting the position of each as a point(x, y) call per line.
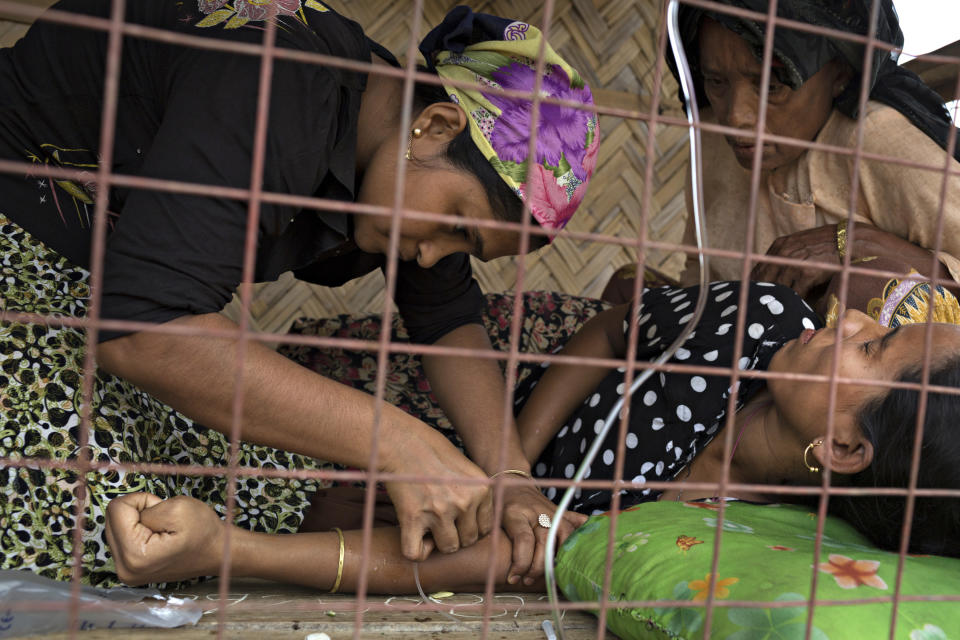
point(497, 53)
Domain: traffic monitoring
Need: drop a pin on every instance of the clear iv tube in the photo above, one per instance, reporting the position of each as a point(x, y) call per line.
point(696, 169)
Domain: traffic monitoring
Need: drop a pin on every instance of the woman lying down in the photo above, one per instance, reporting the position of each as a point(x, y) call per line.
point(780, 439)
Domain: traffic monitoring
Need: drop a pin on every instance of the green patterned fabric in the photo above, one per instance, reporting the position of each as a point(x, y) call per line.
point(41, 374)
point(664, 551)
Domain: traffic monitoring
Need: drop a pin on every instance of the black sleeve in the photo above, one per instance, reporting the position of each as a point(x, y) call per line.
point(433, 302)
point(171, 254)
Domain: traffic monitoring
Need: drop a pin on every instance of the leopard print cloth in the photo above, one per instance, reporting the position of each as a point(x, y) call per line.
point(41, 373)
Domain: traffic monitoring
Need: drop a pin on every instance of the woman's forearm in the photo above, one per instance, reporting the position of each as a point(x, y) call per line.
point(311, 560)
point(896, 254)
point(472, 393)
point(564, 387)
point(285, 405)
point(291, 408)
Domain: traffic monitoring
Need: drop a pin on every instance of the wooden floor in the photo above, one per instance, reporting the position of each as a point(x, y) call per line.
point(260, 610)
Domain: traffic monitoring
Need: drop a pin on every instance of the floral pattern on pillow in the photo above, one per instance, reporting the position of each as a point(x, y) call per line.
point(767, 555)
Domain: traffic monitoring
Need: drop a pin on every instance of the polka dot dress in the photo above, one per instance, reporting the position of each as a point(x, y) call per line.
point(674, 415)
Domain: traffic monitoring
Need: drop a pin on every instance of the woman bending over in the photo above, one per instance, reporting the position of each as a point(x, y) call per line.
point(781, 439)
point(804, 196)
point(189, 114)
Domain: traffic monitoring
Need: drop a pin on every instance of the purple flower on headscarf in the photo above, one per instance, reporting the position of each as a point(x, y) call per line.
point(262, 10)
point(209, 6)
point(561, 130)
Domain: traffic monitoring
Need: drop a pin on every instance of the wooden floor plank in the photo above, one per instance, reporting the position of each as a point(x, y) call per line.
point(257, 609)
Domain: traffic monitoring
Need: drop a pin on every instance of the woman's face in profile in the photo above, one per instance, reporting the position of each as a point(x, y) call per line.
point(437, 188)
point(868, 351)
point(731, 81)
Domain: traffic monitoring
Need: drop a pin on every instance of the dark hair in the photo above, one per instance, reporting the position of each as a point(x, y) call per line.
point(462, 153)
point(890, 423)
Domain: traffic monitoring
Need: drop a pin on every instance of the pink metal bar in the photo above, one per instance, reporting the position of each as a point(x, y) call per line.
point(254, 196)
point(108, 124)
point(391, 277)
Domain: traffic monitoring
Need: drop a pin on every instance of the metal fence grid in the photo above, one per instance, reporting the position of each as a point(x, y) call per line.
point(117, 30)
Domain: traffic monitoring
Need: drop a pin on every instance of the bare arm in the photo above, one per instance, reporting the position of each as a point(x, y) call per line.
point(472, 393)
point(154, 540)
point(292, 408)
point(878, 248)
point(564, 386)
point(871, 246)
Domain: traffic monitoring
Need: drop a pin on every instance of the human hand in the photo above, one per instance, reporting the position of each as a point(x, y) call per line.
point(155, 540)
point(812, 245)
point(455, 515)
point(867, 245)
point(522, 506)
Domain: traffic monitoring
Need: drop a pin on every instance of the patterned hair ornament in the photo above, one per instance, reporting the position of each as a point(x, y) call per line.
point(494, 53)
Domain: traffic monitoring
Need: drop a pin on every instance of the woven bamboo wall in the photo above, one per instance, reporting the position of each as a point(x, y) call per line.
point(613, 45)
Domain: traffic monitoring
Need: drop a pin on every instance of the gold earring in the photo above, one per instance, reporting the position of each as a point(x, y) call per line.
point(806, 452)
point(416, 133)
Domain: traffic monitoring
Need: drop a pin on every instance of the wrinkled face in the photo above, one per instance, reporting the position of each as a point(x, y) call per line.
point(731, 81)
point(433, 187)
point(868, 351)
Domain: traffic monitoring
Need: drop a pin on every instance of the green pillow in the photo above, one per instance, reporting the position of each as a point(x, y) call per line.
point(664, 550)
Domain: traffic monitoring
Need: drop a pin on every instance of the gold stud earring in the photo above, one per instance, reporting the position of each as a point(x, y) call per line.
point(416, 133)
point(806, 452)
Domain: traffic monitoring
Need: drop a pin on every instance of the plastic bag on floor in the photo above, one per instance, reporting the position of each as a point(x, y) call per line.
point(30, 604)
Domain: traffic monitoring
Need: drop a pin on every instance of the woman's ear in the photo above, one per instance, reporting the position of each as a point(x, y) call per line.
point(841, 77)
point(847, 453)
point(441, 122)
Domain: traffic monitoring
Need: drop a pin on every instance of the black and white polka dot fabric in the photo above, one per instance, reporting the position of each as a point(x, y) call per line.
point(674, 415)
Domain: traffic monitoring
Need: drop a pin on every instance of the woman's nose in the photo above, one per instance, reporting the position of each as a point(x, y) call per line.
point(430, 253)
point(854, 321)
point(742, 108)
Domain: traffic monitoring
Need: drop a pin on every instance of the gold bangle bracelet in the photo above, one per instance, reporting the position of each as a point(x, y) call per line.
point(842, 239)
point(514, 472)
point(336, 585)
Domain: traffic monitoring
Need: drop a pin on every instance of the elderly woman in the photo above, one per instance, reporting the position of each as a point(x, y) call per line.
point(804, 195)
point(781, 438)
point(173, 259)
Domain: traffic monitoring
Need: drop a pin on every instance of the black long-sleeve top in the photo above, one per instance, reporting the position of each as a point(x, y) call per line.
point(188, 114)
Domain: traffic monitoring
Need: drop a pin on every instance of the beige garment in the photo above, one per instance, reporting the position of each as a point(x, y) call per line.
point(814, 190)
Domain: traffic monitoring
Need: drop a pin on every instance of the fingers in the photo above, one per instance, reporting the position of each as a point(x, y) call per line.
point(428, 546)
point(123, 527)
point(412, 543)
point(445, 535)
point(800, 280)
point(523, 507)
point(415, 528)
point(456, 516)
point(485, 514)
point(124, 511)
point(809, 246)
point(126, 535)
point(467, 527)
point(536, 568)
point(571, 522)
point(568, 524)
point(167, 516)
point(521, 533)
point(761, 273)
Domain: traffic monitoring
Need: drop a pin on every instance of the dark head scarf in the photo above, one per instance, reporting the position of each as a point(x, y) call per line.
point(801, 54)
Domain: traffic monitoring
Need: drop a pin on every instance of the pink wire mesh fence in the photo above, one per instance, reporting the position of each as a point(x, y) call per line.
point(118, 31)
